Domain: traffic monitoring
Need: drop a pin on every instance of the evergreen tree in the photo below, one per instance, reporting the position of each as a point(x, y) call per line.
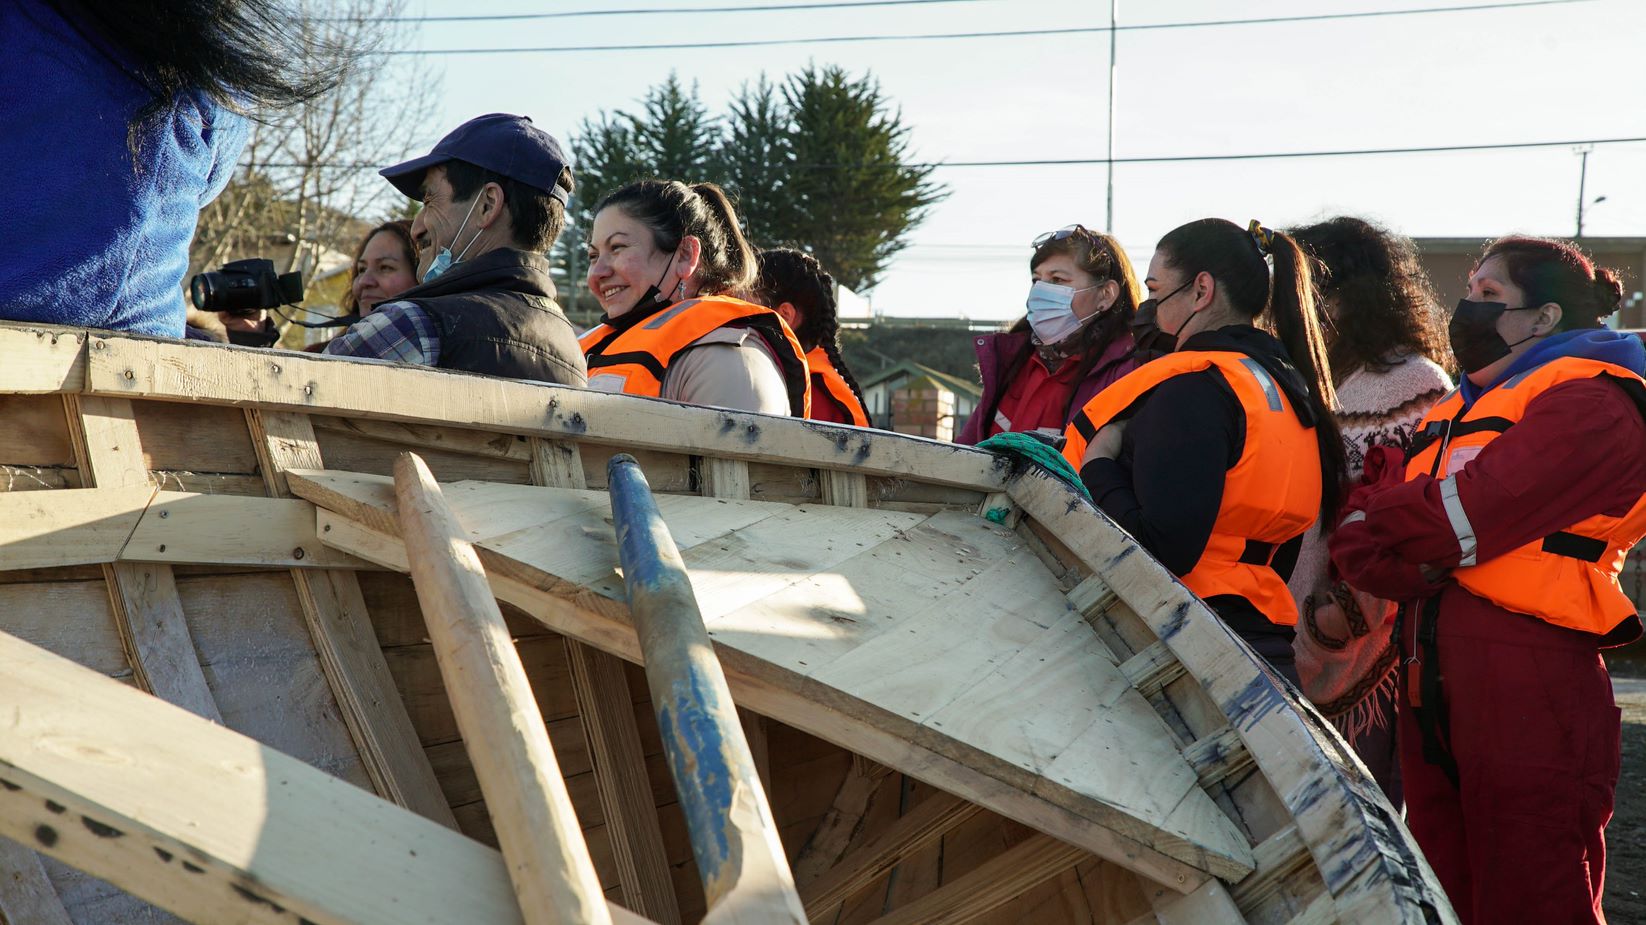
point(817, 163)
point(755, 161)
point(851, 197)
point(674, 136)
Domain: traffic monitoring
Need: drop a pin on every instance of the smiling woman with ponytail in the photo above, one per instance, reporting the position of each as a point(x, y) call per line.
point(1219, 456)
point(670, 266)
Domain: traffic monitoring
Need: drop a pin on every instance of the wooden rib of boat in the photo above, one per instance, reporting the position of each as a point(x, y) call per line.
point(972, 698)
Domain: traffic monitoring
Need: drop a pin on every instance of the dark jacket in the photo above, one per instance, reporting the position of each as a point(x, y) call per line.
point(994, 352)
point(497, 315)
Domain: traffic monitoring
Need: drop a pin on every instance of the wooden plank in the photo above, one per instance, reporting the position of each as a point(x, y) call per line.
point(994, 884)
point(724, 478)
point(140, 524)
point(27, 896)
point(1365, 857)
point(626, 797)
point(42, 359)
point(180, 527)
point(144, 598)
point(503, 731)
point(212, 825)
point(130, 368)
point(1218, 757)
point(555, 463)
point(36, 432)
point(76, 526)
point(340, 626)
point(1152, 669)
point(851, 803)
point(846, 489)
point(925, 825)
point(611, 631)
point(163, 657)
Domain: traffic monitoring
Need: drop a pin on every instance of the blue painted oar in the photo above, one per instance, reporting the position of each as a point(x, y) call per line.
point(746, 877)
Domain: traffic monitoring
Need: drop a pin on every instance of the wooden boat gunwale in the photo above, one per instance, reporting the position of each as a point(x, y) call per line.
point(1337, 824)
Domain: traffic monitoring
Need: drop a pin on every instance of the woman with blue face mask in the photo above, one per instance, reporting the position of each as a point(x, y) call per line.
point(1073, 343)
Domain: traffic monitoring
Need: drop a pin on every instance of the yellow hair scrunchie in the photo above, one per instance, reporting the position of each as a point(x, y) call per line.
point(1264, 237)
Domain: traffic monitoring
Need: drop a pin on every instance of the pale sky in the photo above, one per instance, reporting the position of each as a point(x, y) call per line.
point(1550, 73)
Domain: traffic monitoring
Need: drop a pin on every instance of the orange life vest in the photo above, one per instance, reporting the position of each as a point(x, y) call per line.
point(1270, 496)
point(829, 380)
point(1568, 578)
point(638, 357)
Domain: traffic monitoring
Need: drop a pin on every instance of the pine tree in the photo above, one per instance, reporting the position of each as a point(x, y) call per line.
point(851, 196)
point(755, 160)
point(674, 136)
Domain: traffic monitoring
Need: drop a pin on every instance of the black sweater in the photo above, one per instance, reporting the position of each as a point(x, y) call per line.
point(1183, 438)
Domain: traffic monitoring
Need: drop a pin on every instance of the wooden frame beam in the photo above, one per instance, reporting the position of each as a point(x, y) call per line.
point(340, 628)
point(213, 826)
point(132, 367)
point(992, 885)
point(931, 820)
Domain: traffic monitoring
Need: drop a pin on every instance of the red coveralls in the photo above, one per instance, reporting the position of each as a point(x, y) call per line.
point(1533, 727)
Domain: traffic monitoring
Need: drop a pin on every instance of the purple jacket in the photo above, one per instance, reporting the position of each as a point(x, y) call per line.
point(995, 350)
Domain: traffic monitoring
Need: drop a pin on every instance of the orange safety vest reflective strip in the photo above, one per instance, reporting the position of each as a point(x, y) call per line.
point(1270, 496)
point(636, 359)
point(1569, 578)
point(826, 377)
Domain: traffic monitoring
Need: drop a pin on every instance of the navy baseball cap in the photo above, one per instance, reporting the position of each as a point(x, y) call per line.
point(499, 142)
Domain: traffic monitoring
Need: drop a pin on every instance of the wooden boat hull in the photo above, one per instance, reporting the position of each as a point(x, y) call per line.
point(150, 532)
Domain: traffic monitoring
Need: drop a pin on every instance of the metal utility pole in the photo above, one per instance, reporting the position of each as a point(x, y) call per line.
point(1582, 179)
point(1114, 11)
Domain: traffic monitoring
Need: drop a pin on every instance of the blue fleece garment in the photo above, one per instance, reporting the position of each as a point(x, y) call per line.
point(88, 237)
point(1625, 350)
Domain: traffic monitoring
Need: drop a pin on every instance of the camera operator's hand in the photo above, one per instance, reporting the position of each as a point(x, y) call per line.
point(246, 324)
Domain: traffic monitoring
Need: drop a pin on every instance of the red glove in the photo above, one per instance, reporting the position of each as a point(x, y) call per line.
point(1357, 557)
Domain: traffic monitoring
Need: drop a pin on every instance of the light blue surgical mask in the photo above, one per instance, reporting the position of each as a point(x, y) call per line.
point(443, 259)
point(1051, 311)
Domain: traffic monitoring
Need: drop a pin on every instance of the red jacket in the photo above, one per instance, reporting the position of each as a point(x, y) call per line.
point(1579, 451)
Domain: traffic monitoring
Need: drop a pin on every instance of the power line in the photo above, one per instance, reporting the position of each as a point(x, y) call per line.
point(1158, 159)
point(941, 36)
point(654, 11)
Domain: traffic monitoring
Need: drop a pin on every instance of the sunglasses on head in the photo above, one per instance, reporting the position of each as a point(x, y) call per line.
point(1062, 233)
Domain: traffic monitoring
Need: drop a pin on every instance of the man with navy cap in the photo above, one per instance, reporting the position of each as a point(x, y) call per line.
point(494, 197)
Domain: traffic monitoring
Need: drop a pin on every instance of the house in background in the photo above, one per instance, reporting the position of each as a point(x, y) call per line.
point(1449, 260)
point(913, 399)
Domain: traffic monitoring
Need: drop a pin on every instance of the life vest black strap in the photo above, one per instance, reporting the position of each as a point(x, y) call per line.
point(1572, 546)
point(1083, 426)
point(1257, 553)
point(1437, 429)
point(1432, 719)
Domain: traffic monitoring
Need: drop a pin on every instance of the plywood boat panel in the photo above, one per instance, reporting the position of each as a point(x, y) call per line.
point(999, 618)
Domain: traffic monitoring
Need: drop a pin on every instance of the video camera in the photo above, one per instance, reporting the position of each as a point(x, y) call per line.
point(245, 287)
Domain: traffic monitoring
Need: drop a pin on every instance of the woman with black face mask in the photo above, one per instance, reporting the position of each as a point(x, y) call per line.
point(1522, 496)
point(1220, 455)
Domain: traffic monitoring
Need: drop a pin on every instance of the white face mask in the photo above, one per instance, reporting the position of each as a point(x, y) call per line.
point(443, 259)
point(1051, 311)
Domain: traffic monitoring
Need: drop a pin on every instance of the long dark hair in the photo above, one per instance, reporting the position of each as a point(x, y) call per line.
point(1548, 270)
point(671, 210)
point(400, 229)
point(1386, 305)
point(1102, 257)
point(243, 54)
point(796, 277)
point(1235, 259)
